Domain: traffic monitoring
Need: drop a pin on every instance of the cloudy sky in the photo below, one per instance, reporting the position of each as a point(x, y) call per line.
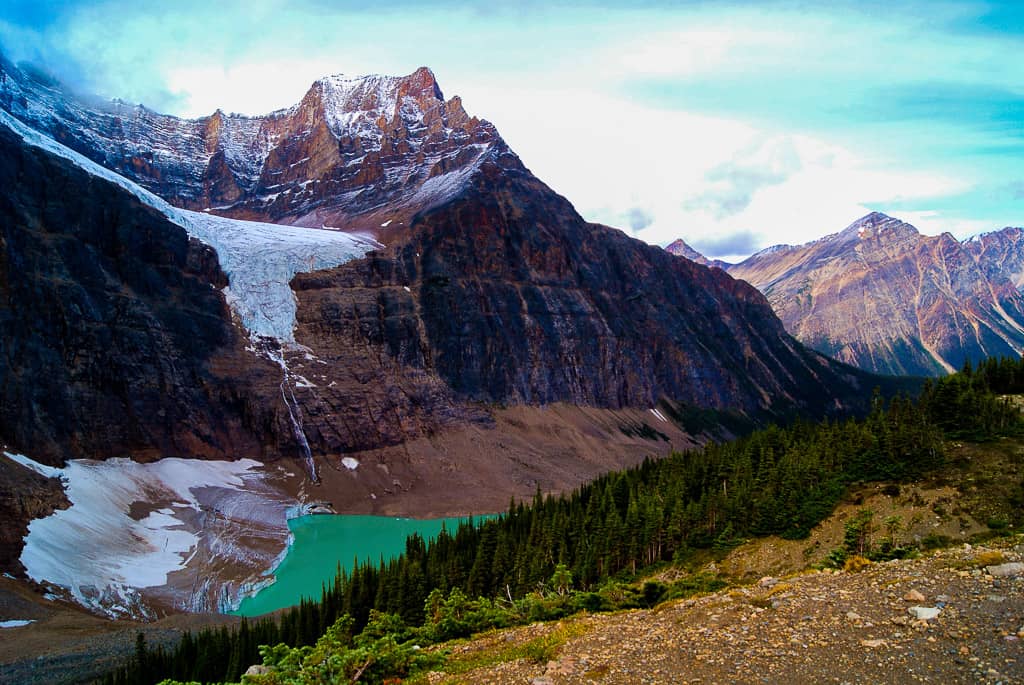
point(735, 125)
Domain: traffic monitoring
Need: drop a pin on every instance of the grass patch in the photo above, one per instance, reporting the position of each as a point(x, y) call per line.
point(538, 650)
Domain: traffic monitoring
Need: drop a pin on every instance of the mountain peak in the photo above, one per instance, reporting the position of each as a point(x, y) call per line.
point(352, 148)
point(880, 295)
point(878, 225)
point(681, 249)
point(376, 97)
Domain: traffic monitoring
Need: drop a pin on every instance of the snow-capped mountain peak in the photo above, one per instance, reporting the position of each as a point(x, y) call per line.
point(354, 153)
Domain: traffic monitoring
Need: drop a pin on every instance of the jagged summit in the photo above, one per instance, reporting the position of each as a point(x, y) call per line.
point(378, 93)
point(681, 249)
point(356, 153)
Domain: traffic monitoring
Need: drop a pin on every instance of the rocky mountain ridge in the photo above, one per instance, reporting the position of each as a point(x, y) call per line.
point(881, 296)
point(364, 153)
point(1000, 254)
point(436, 308)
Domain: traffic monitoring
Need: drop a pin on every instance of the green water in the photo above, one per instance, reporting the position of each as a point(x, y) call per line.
point(321, 542)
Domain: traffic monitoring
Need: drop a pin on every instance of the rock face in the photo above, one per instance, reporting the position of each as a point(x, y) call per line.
point(490, 290)
point(24, 495)
point(881, 296)
point(116, 339)
point(355, 152)
point(1000, 254)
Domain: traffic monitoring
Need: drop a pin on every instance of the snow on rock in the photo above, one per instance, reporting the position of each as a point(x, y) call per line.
point(42, 469)
point(16, 623)
point(260, 259)
point(130, 525)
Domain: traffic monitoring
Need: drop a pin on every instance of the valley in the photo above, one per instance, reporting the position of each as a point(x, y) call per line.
point(258, 373)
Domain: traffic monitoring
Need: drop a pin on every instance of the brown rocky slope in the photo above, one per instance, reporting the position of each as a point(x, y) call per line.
point(810, 628)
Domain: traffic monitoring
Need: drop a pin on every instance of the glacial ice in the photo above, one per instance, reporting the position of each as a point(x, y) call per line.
point(260, 259)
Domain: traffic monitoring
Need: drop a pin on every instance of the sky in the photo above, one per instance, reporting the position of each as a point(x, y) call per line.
point(734, 125)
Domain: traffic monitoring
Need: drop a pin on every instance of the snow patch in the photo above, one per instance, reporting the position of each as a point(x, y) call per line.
point(102, 555)
point(659, 415)
point(350, 463)
point(16, 622)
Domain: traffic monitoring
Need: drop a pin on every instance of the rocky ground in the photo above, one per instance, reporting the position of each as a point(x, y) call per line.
point(65, 644)
point(956, 616)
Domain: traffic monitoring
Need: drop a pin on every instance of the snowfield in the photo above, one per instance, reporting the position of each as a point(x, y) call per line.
point(260, 259)
point(130, 525)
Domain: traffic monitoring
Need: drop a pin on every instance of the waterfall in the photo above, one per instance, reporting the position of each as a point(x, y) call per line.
point(300, 434)
point(294, 411)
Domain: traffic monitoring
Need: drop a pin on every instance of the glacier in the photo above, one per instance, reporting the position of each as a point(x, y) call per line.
point(260, 259)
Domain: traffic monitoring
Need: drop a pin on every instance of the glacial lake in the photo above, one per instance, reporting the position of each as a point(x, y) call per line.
point(322, 542)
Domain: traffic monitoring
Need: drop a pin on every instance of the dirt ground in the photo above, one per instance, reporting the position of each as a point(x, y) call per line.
point(817, 627)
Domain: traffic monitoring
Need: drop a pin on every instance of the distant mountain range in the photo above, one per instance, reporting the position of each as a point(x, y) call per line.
point(883, 297)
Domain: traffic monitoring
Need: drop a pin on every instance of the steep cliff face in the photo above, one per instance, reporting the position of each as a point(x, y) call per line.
point(116, 337)
point(881, 296)
point(353, 153)
point(24, 495)
point(505, 295)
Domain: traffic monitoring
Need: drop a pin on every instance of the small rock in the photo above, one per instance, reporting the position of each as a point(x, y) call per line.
point(853, 617)
point(1014, 568)
point(924, 613)
point(257, 669)
point(913, 596)
point(900, 620)
point(873, 644)
point(768, 582)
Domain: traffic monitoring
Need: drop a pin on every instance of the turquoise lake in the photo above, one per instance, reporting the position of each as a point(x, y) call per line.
point(321, 542)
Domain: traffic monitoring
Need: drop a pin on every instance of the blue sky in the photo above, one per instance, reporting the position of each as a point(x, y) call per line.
point(735, 125)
